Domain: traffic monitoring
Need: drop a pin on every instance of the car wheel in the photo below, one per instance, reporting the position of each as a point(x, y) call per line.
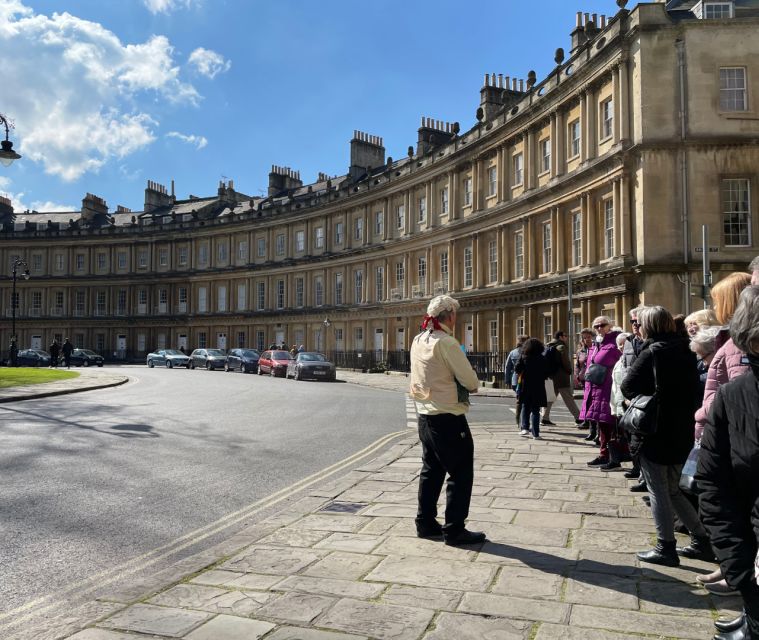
point(242, 368)
point(208, 366)
point(192, 364)
point(86, 363)
point(226, 367)
point(150, 364)
point(100, 364)
point(296, 375)
point(169, 364)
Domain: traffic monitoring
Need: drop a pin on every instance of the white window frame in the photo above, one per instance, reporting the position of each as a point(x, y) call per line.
point(203, 255)
point(280, 294)
point(444, 201)
point(379, 283)
point(545, 155)
point(518, 164)
point(338, 288)
point(260, 296)
point(547, 253)
point(202, 300)
point(733, 94)
point(299, 292)
point(280, 244)
point(221, 298)
point(300, 241)
point(339, 234)
point(221, 252)
point(492, 261)
point(358, 286)
point(182, 258)
point(379, 222)
point(444, 266)
point(608, 211)
point(422, 209)
point(358, 229)
point(261, 249)
point(721, 6)
point(576, 235)
point(242, 250)
point(421, 272)
point(519, 254)
point(318, 291)
point(400, 216)
point(734, 213)
point(574, 133)
point(607, 119)
point(492, 181)
point(102, 261)
point(493, 336)
point(468, 269)
point(467, 191)
point(319, 237)
point(242, 296)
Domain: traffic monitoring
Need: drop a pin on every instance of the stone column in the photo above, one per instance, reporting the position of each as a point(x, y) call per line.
point(591, 126)
point(500, 163)
point(617, 103)
point(624, 104)
point(407, 211)
point(387, 218)
point(529, 249)
point(554, 135)
point(452, 267)
point(625, 222)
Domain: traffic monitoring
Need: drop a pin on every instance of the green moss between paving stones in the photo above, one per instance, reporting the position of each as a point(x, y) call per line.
point(16, 377)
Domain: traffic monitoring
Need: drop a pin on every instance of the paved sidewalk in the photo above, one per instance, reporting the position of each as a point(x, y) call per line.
point(343, 563)
point(89, 379)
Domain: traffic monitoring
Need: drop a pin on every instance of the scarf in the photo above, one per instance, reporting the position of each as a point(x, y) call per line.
point(430, 320)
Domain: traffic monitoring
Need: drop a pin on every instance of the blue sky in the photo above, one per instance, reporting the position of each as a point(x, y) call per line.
point(107, 94)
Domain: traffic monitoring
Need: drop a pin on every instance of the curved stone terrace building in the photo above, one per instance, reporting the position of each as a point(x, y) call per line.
point(597, 178)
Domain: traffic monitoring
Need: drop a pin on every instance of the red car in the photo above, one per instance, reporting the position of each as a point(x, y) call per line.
point(274, 363)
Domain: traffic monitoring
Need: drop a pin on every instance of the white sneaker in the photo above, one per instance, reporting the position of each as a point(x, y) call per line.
point(536, 438)
point(524, 432)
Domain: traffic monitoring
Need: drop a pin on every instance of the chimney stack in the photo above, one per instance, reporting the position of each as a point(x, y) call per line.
point(156, 197)
point(367, 151)
point(282, 179)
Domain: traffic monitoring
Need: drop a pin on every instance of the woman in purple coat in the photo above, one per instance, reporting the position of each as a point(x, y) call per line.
point(595, 405)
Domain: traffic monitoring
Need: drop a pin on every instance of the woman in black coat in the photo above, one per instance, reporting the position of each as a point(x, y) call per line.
point(667, 366)
point(533, 370)
point(728, 468)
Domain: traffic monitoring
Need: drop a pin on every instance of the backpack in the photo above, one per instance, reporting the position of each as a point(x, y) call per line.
point(553, 359)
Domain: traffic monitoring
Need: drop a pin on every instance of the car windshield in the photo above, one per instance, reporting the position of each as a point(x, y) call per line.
point(312, 357)
point(173, 352)
point(250, 353)
point(215, 352)
point(280, 355)
point(86, 352)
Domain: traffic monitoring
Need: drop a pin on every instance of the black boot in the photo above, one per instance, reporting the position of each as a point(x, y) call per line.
point(699, 549)
point(592, 434)
point(664, 553)
point(741, 633)
point(725, 626)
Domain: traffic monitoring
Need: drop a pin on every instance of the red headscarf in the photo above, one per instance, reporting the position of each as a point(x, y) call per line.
point(429, 319)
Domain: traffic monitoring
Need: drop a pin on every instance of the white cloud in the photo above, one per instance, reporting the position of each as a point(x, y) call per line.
point(198, 141)
point(209, 63)
point(166, 6)
point(83, 99)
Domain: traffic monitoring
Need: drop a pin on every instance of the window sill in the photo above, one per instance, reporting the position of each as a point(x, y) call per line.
point(606, 139)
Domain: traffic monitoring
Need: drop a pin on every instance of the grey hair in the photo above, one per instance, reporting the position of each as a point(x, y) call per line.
point(634, 312)
point(655, 320)
point(754, 265)
point(622, 337)
point(744, 327)
point(705, 341)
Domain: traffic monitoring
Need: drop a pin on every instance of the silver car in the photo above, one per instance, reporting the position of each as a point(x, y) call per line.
point(168, 358)
point(311, 365)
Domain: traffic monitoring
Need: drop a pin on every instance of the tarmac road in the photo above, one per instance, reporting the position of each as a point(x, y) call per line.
point(94, 479)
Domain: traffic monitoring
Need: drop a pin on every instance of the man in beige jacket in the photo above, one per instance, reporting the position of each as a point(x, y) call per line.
point(441, 380)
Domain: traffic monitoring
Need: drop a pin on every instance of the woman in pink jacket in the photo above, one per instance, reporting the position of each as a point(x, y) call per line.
point(728, 361)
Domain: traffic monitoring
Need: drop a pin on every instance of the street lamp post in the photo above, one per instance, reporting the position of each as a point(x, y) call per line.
point(326, 324)
point(18, 262)
point(7, 154)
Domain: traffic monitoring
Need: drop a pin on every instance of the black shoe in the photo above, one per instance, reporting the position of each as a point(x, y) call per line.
point(611, 466)
point(641, 487)
point(646, 500)
point(578, 421)
point(464, 537)
point(726, 626)
point(597, 462)
point(664, 553)
point(547, 423)
point(597, 440)
point(698, 549)
point(632, 474)
point(741, 633)
point(582, 424)
point(429, 530)
point(591, 436)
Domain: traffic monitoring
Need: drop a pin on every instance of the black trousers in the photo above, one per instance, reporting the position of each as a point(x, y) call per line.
point(447, 447)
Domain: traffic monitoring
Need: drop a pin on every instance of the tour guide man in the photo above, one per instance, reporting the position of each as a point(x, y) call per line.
point(441, 380)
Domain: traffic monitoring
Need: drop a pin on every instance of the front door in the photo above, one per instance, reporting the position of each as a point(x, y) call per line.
point(182, 341)
point(400, 339)
point(279, 337)
point(36, 342)
point(469, 337)
point(221, 341)
point(378, 340)
point(121, 346)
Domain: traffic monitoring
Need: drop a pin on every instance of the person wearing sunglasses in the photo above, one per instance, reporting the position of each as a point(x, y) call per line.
point(596, 408)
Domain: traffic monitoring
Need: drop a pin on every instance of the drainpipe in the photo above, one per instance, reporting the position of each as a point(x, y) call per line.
point(680, 46)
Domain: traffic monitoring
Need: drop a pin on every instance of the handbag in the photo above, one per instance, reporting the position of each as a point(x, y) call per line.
point(642, 414)
point(596, 374)
point(687, 481)
point(550, 393)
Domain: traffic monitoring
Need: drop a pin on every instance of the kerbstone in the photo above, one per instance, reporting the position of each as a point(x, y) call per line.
point(231, 628)
point(384, 621)
point(162, 621)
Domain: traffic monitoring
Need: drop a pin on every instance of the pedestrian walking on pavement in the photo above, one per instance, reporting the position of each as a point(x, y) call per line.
point(440, 383)
point(66, 350)
point(510, 375)
point(533, 371)
point(560, 369)
point(55, 351)
point(728, 477)
point(602, 357)
point(666, 367)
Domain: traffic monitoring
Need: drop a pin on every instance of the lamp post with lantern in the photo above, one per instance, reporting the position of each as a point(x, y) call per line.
point(326, 324)
point(7, 154)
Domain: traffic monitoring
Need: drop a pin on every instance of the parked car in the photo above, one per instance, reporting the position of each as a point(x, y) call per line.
point(33, 358)
point(207, 358)
point(168, 358)
point(274, 363)
point(243, 360)
point(85, 358)
point(311, 365)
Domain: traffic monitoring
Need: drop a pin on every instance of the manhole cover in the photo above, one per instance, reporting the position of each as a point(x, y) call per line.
point(343, 507)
